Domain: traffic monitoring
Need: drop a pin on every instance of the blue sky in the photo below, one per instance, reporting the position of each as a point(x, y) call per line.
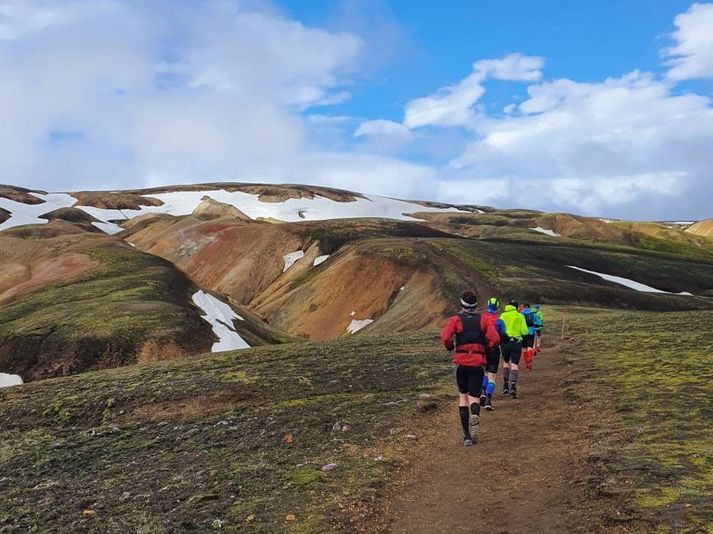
point(588, 107)
point(438, 41)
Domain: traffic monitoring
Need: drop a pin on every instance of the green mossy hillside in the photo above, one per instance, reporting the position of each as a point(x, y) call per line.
point(102, 318)
point(235, 441)
point(653, 372)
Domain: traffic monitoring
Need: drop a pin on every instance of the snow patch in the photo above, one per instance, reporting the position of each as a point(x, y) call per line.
point(181, 203)
point(221, 317)
point(108, 228)
point(319, 260)
point(7, 380)
point(21, 214)
point(545, 231)
point(355, 325)
point(291, 210)
point(292, 258)
point(631, 284)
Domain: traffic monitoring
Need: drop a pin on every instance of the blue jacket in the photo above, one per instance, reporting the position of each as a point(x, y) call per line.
point(532, 319)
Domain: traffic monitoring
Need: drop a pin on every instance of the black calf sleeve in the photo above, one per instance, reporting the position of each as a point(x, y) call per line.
point(463, 411)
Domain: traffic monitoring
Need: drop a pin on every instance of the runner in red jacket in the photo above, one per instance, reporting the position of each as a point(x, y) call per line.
point(474, 335)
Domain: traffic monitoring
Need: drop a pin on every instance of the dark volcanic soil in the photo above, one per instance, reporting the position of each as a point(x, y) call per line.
point(527, 474)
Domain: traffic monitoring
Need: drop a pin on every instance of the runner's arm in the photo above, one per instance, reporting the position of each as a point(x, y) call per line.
point(450, 330)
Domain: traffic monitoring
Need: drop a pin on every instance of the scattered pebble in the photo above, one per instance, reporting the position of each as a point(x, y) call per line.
point(329, 467)
point(426, 406)
point(290, 517)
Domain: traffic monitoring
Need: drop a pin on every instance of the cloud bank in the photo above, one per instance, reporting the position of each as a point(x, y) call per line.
point(117, 94)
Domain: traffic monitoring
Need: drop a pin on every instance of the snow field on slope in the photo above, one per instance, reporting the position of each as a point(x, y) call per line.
point(7, 380)
point(545, 231)
point(319, 260)
point(291, 210)
point(292, 258)
point(631, 284)
point(356, 325)
point(184, 202)
point(22, 213)
point(108, 228)
point(221, 317)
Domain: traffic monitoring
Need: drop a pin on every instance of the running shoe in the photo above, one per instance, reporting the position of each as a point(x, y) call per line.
point(506, 390)
point(489, 404)
point(467, 442)
point(483, 398)
point(475, 427)
point(513, 393)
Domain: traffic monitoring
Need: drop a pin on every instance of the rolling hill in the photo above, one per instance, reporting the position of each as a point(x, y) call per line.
point(97, 279)
point(263, 358)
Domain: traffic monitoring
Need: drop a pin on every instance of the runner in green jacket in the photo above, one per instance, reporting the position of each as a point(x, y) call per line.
point(515, 330)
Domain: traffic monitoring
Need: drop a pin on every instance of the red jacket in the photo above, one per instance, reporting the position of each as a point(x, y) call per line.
point(470, 354)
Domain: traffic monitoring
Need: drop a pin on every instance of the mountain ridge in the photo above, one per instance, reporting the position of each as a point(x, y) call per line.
point(359, 262)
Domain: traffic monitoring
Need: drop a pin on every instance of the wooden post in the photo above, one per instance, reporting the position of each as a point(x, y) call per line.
point(564, 320)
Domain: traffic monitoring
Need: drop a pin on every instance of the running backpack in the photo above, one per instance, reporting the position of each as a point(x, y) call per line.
point(528, 318)
point(472, 333)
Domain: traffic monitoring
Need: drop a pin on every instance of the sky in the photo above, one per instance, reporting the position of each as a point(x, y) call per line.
point(597, 108)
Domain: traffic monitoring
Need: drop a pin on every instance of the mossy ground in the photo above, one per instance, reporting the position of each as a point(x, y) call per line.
point(653, 371)
point(537, 271)
point(105, 314)
point(234, 441)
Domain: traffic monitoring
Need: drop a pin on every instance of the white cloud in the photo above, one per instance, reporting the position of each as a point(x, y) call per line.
point(627, 145)
point(117, 93)
point(453, 105)
point(513, 68)
point(692, 55)
point(450, 106)
point(107, 93)
point(382, 128)
point(368, 173)
point(612, 194)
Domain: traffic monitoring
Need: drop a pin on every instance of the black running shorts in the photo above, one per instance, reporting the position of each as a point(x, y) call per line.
point(512, 352)
point(528, 341)
point(493, 359)
point(469, 379)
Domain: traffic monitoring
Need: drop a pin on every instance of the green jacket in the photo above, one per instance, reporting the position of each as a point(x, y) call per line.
point(515, 325)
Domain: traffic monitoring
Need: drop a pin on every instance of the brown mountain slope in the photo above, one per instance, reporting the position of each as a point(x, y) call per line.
point(703, 228)
point(372, 260)
point(20, 194)
point(72, 300)
point(245, 260)
point(519, 224)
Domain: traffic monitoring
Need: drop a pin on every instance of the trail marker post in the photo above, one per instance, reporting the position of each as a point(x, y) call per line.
point(564, 321)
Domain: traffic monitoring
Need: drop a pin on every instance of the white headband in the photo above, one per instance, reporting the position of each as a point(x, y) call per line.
point(468, 304)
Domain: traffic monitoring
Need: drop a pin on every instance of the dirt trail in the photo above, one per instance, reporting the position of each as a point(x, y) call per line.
point(526, 474)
